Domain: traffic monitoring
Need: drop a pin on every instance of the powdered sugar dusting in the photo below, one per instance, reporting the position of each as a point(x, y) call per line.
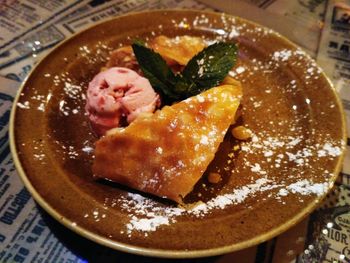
point(146, 224)
point(147, 216)
point(24, 105)
point(237, 196)
point(329, 150)
point(282, 55)
point(305, 187)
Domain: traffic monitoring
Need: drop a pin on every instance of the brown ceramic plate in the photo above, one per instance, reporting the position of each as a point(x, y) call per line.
point(269, 184)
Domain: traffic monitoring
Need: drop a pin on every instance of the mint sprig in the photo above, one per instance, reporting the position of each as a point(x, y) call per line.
point(205, 70)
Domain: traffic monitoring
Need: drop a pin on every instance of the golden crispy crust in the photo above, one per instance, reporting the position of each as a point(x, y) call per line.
point(178, 50)
point(167, 152)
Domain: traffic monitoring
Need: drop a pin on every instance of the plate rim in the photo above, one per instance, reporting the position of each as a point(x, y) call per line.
point(166, 253)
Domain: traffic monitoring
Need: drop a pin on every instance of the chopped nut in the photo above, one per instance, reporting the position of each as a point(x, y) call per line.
point(214, 178)
point(236, 147)
point(241, 133)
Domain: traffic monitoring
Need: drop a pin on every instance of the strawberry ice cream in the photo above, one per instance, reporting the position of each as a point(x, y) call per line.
point(118, 95)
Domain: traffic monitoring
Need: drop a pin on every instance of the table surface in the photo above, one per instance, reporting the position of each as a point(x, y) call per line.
point(31, 235)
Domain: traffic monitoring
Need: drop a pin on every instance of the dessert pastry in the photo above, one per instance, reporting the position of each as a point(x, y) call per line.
point(167, 152)
point(178, 50)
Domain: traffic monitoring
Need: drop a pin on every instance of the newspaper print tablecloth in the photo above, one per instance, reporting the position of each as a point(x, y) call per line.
point(28, 234)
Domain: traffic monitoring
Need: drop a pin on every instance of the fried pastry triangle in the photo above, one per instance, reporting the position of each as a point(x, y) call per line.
point(167, 152)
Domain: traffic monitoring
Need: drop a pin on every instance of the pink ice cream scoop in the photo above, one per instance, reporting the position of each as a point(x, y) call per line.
point(118, 94)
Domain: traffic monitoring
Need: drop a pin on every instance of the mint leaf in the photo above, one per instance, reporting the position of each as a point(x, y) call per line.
point(156, 70)
point(204, 71)
point(210, 66)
